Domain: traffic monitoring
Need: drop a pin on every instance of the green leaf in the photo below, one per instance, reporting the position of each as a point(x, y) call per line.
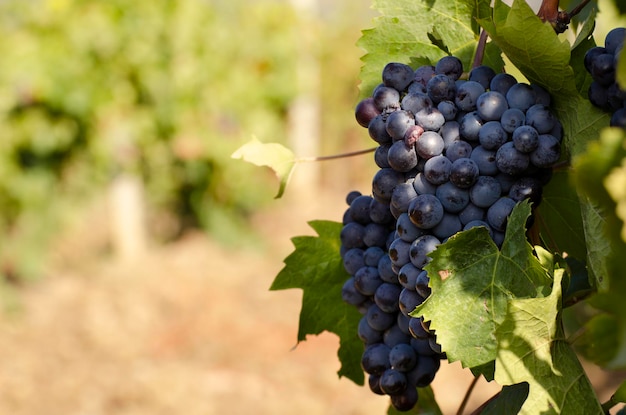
point(426, 404)
point(420, 32)
point(471, 283)
point(532, 349)
point(559, 217)
point(273, 155)
point(601, 175)
point(509, 401)
point(316, 267)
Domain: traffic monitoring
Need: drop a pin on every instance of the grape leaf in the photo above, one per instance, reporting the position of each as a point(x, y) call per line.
point(420, 32)
point(472, 281)
point(316, 267)
point(273, 155)
point(509, 400)
point(601, 174)
point(546, 59)
point(559, 218)
point(532, 348)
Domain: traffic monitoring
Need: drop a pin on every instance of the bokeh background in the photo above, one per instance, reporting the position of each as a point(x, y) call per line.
point(135, 253)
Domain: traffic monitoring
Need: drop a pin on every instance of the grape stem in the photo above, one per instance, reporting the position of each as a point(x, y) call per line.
point(549, 12)
point(480, 49)
point(336, 156)
point(468, 393)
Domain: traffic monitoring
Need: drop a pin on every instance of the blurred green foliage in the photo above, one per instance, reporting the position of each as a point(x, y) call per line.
point(161, 88)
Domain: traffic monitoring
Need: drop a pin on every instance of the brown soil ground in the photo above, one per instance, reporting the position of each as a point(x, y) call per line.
point(189, 328)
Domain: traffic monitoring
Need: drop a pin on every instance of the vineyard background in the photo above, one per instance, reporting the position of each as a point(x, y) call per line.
point(136, 109)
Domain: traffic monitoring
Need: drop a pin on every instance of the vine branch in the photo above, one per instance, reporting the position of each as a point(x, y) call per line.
point(336, 156)
point(468, 393)
point(549, 12)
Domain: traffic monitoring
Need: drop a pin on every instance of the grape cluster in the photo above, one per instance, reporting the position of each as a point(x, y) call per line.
point(604, 92)
point(453, 154)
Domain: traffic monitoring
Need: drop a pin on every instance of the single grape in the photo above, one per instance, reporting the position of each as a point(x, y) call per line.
point(511, 161)
point(367, 280)
point(386, 296)
point(491, 105)
point(483, 75)
point(425, 211)
point(402, 157)
point(409, 300)
point(405, 400)
point(375, 235)
point(406, 230)
point(437, 169)
point(448, 109)
point(502, 82)
point(450, 66)
point(378, 319)
point(351, 235)
point(377, 129)
point(525, 138)
point(591, 55)
point(464, 172)
point(430, 144)
point(375, 359)
point(398, 122)
point(512, 119)
point(350, 294)
point(485, 192)
point(423, 74)
point(441, 88)
point(527, 188)
point(450, 134)
point(399, 252)
point(614, 39)
point(420, 248)
point(448, 226)
point(386, 99)
point(384, 182)
point(365, 111)
point(353, 259)
point(618, 119)
point(430, 119)
point(548, 151)
point(373, 382)
point(521, 96)
point(478, 223)
point(394, 336)
point(397, 75)
point(402, 357)
point(360, 209)
point(498, 213)
point(491, 136)
point(421, 284)
point(379, 212)
point(416, 101)
point(407, 276)
point(458, 149)
point(467, 95)
point(540, 117)
point(367, 334)
point(470, 125)
point(485, 160)
point(386, 271)
point(452, 198)
point(372, 255)
point(470, 213)
point(423, 186)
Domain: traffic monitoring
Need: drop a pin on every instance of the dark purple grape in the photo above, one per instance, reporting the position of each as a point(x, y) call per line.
point(397, 75)
point(425, 211)
point(450, 66)
point(502, 82)
point(483, 75)
point(375, 359)
point(441, 88)
point(365, 111)
point(464, 172)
